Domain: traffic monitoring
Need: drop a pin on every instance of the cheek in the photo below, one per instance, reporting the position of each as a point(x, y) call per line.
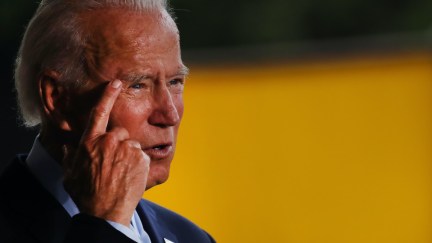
point(178, 102)
point(129, 114)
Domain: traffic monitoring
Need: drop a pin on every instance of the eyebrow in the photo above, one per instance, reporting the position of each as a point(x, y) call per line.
point(184, 70)
point(137, 77)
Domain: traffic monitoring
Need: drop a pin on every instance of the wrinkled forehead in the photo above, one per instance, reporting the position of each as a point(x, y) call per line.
point(122, 30)
point(120, 41)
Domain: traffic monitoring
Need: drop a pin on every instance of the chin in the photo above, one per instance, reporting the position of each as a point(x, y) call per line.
point(158, 174)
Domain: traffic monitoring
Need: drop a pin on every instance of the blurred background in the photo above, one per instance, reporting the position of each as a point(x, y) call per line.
point(306, 121)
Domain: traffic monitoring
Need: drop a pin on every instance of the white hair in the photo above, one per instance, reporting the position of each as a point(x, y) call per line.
point(55, 40)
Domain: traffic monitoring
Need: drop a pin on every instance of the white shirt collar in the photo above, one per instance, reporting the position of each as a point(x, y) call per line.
point(50, 175)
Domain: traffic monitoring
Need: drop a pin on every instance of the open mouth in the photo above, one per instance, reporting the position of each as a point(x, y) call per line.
point(160, 151)
point(160, 147)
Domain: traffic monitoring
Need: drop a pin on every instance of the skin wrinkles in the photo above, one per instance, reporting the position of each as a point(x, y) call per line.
point(106, 43)
point(142, 50)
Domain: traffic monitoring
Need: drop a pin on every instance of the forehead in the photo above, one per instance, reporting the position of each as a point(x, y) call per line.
point(132, 36)
point(123, 28)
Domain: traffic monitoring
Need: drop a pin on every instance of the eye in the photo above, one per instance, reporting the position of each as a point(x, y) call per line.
point(175, 82)
point(138, 86)
point(176, 85)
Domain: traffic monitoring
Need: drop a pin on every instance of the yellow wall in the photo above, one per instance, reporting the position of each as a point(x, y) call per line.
point(323, 151)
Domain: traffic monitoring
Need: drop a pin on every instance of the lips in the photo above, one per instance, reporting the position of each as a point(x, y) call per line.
point(159, 151)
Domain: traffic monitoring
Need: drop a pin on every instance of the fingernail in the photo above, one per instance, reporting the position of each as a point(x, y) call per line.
point(116, 84)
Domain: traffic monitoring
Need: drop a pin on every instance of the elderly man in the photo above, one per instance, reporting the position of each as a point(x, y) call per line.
point(104, 80)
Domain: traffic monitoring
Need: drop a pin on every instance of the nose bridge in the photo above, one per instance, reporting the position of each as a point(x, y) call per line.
point(165, 112)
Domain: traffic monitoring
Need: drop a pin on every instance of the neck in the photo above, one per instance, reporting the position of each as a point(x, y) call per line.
point(54, 140)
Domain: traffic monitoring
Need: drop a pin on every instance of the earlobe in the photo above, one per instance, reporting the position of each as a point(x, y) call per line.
point(54, 98)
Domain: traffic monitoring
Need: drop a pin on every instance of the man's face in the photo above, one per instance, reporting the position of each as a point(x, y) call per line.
point(142, 50)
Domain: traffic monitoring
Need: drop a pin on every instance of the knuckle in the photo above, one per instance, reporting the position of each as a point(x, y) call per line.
point(110, 140)
point(120, 131)
point(133, 144)
point(144, 158)
point(142, 164)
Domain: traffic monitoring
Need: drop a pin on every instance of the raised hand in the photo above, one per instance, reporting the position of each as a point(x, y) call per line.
point(106, 175)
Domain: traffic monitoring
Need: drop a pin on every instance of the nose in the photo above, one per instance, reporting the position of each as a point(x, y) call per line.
point(164, 112)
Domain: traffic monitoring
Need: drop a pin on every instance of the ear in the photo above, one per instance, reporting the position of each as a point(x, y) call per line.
point(54, 97)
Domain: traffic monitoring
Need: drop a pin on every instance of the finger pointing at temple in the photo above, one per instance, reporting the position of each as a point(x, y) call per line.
point(100, 114)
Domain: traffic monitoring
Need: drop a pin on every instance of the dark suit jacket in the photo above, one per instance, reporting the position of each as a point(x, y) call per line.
point(29, 213)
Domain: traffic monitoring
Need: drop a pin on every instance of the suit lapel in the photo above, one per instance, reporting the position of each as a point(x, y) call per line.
point(35, 210)
point(152, 225)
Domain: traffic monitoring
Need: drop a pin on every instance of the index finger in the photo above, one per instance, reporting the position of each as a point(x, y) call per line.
point(100, 114)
